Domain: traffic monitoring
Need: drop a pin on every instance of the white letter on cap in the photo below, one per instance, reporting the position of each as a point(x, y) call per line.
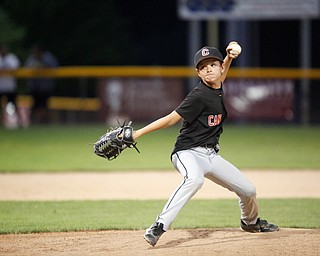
point(205, 52)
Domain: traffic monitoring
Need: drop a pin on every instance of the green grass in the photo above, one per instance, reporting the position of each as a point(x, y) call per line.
point(26, 217)
point(67, 148)
point(275, 147)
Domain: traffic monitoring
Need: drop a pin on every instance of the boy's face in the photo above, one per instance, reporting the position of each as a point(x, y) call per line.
point(210, 71)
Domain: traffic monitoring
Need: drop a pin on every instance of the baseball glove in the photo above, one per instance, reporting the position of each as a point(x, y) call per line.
point(112, 143)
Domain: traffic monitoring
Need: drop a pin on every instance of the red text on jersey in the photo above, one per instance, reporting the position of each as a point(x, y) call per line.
point(214, 120)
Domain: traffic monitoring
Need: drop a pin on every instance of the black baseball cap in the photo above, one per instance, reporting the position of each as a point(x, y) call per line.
point(207, 53)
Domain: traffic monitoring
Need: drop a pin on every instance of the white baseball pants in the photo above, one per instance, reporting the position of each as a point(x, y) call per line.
point(198, 163)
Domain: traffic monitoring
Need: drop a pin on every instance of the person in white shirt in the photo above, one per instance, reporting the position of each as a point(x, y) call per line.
point(8, 88)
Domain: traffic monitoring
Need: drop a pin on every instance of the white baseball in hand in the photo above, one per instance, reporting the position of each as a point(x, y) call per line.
point(234, 48)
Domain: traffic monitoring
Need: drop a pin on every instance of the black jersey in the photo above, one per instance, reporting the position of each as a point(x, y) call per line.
point(203, 112)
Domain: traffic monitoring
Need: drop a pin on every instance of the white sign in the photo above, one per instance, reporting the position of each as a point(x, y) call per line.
point(248, 9)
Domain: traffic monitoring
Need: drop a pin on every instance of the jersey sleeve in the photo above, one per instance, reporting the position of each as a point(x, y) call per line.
point(190, 108)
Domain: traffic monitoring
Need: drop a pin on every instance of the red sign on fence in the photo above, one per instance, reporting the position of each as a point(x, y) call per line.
point(259, 99)
point(139, 99)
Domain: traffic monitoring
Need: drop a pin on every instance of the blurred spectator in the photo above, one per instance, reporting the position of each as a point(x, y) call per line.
point(40, 88)
point(8, 89)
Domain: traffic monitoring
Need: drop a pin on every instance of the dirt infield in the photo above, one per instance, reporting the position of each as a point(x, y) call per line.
point(93, 186)
point(191, 242)
point(158, 184)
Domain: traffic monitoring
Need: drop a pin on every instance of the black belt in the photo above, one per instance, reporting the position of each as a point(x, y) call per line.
point(216, 147)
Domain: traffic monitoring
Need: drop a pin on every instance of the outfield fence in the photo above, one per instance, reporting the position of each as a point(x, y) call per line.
point(147, 92)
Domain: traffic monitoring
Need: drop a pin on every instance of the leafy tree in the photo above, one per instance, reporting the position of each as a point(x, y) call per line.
point(11, 34)
point(103, 32)
point(78, 32)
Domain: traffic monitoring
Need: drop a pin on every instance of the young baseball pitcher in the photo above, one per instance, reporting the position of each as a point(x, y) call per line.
point(195, 154)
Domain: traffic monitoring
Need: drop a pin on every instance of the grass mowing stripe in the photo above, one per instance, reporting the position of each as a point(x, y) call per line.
point(67, 148)
point(275, 147)
point(52, 216)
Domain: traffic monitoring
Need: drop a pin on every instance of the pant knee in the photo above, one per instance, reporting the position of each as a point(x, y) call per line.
point(195, 182)
point(250, 191)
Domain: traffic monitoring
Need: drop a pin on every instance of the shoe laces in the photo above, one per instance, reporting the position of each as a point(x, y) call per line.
point(262, 222)
point(157, 229)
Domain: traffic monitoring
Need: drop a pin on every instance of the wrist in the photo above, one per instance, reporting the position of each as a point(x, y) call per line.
point(136, 134)
point(229, 57)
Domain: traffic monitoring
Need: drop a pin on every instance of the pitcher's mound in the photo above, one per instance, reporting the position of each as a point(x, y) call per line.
point(174, 242)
